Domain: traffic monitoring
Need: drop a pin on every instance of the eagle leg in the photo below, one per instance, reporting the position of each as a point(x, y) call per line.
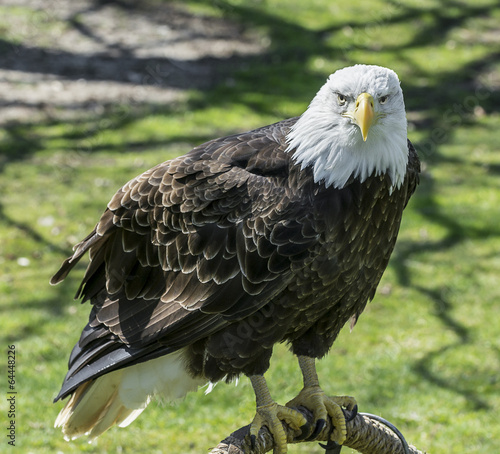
point(270, 414)
point(314, 398)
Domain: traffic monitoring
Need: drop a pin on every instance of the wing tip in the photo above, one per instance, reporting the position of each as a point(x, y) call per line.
point(80, 249)
point(62, 273)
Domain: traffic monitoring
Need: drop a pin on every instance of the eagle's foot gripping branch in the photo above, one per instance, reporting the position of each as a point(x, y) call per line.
point(272, 415)
point(322, 406)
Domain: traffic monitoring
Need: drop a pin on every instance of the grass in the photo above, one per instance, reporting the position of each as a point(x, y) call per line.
point(426, 352)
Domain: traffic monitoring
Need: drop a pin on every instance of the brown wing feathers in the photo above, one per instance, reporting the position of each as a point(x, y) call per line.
point(184, 249)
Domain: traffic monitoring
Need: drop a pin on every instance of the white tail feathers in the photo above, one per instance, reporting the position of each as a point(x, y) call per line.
point(120, 396)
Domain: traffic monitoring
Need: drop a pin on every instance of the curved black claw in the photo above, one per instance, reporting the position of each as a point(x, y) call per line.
point(320, 425)
point(331, 447)
point(253, 440)
point(304, 432)
point(352, 414)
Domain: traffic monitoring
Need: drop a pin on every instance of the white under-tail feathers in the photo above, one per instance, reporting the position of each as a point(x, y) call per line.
point(121, 396)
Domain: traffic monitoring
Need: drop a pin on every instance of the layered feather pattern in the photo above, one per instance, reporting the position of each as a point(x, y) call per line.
point(202, 263)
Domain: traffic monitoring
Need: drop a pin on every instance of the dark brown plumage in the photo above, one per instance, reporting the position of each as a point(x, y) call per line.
point(230, 249)
point(227, 250)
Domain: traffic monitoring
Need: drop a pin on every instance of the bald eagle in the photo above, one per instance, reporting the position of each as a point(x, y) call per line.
point(200, 265)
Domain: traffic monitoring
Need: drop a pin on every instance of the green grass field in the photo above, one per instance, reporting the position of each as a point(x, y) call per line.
point(425, 354)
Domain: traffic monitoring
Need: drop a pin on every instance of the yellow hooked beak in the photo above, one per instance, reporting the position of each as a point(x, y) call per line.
point(364, 113)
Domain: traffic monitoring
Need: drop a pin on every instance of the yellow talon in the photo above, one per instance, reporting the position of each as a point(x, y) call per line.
point(334, 406)
point(322, 406)
point(270, 414)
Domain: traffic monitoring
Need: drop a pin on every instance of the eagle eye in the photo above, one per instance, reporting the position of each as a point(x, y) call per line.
point(341, 99)
point(383, 99)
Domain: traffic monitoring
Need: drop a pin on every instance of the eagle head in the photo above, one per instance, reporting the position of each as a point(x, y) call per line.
point(354, 127)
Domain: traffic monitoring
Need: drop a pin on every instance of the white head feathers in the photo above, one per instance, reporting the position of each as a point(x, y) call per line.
point(328, 136)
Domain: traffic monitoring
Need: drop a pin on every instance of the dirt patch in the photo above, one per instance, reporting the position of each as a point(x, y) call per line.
point(59, 58)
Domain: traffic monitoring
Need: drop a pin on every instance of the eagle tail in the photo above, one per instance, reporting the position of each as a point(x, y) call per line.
point(95, 406)
point(119, 397)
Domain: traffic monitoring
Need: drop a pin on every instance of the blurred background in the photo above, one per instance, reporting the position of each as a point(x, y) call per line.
point(93, 93)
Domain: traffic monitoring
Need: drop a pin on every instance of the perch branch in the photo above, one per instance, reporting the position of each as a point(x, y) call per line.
point(365, 435)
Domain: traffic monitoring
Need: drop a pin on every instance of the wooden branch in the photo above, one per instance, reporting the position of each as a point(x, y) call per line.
point(365, 435)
